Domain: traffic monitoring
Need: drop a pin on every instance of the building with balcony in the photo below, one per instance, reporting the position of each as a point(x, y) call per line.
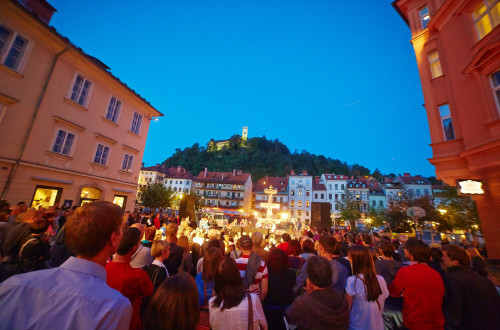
point(376, 196)
point(335, 189)
point(174, 177)
point(300, 195)
point(457, 48)
point(281, 197)
point(232, 190)
point(417, 185)
point(358, 191)
point(71, 131)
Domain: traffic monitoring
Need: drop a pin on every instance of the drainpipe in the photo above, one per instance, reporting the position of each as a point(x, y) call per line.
point(32, 122)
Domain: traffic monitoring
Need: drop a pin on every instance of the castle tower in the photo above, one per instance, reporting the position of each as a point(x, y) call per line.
point(244, 133)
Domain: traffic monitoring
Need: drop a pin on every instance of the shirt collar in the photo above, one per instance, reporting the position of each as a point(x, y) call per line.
point(85, 266)
point(159, 263)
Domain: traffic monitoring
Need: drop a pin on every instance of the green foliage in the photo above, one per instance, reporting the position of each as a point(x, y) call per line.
point(155, 195)
point(378, 216)
point(349, 210)
point(460, 212)
point(259, 157)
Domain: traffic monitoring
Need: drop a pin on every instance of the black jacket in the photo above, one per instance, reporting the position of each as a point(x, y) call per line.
point(175, 259)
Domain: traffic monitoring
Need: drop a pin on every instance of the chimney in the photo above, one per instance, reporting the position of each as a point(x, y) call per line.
point(40, 8)
point(406, 174)
point(239, 172)
point(304, 172)
point(292, 172)
point(157, 165)
point(222, 177)
point(178, 169)
point(206, 171)
point(142, 165)
point(234, 172)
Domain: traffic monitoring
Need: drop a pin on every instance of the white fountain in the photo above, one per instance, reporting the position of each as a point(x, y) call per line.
point(270, 206)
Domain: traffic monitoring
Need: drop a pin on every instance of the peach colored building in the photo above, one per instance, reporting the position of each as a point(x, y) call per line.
point(457, 47)
point(70, 131)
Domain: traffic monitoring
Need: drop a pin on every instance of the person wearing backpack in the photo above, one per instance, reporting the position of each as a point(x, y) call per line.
point(253, 269)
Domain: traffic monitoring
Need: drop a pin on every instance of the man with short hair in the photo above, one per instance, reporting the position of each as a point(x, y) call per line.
point(326, 249)
point(321, 307)
point(470, 297)
point(142, 257)
point(176, 252)
point(257, 239)
point(422, 289)
point(253, 269)
point(284, 245)
point(133, 283)
point(77, 289)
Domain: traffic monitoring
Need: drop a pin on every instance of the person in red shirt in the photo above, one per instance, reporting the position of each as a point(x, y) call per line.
point(422, 289)
point(133, 283)
point(284, 246)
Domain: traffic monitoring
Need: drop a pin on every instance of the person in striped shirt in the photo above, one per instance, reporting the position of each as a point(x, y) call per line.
point(252, 263)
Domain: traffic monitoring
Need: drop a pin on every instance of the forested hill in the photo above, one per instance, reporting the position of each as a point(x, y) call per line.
point(260, 157)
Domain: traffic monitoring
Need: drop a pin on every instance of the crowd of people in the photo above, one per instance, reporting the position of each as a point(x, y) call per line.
point(93, 267)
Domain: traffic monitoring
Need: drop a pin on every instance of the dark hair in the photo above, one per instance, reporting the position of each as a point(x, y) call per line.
point(211, 262)
point(286, 237)
point(277, 261)
point(131, 237)
point(328, 242)
point(175, 305)
point(418, 249)
point(89, 228)
point(319, 271)
point(39, 226)
point(455, 252)
point(150, 233)
point(195, 253)
point(227, 285)
point(367, 239)
point(362, 264)
point(436, 254)
point(294, 247)
point(308, 246)
point(387, 248)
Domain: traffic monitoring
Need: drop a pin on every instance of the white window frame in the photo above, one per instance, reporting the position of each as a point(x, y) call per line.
point(78, 96)
point(4, 53)
point(435, 64)
point(54, 139)
point(100, 161)
point(115, 112)
point(422, 17)
point(127, 163)
point(489, 8)
point(496, 89)
point(134, 126)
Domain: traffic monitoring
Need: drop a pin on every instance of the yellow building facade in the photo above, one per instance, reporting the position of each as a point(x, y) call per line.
point(70, 131)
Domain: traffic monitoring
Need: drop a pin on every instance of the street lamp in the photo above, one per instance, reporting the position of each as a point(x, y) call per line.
point(442, 211)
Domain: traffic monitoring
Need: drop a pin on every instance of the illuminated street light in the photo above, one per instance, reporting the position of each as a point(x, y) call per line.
point(442, 211)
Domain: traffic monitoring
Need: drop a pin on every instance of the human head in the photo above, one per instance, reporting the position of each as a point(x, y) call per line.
point(257, 238)
point(183, 241)
point(319, 272)
point(277, 260)
point(362, 264)
point(308, 246)
point(130, 241)
point(403, 238)
point(139, 226)
point(454, 255)
point(227, 284)
point(328, 243)
point(39, 225)
point(211, 262)
point(436, 254)
point(386, 248)
point(175, 304)
point(22, 207)
point(213, 234)
point(245, 243)
point(294, 247)
point(367, 240)
point(171, 230)
point(91, 227)
point(159, 248)
point(150, 233)
point(417, 250)
point(286, 237)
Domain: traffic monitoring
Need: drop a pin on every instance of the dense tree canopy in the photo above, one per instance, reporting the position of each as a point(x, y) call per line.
point(155, 196)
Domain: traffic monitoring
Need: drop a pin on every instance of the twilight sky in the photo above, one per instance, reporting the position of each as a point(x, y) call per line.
point(337, 78)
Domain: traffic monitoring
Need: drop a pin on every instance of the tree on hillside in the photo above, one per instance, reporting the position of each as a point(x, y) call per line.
point(156, 196)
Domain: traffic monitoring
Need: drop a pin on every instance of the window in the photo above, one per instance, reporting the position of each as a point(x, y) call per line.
point(291, 212)
point(136, 123)
point(127, 163)
point(307, 203)
point(418, 192)
point(426, 191)
point(322, 196)
point(308, 193)
point(495, 83)
point(374, 203)
point(336, 197)
point(113, 109)
point(424, 17)
point(12, 48)
point(329, 196)
point(336, 207)
point(64, 142)
point(299, 203)
point(342, 186)
point(292, 192)
point(80, 91)
point(329, 187)
point(486, 17)
point(307, 213)
point(101, 154)
point(46, 196)
point(292, 203)
point(336, 186)
point(315, 196)
point(435, 64)
point(448, 131)
point(381, 203)
point(299, 213)
point(300, 192)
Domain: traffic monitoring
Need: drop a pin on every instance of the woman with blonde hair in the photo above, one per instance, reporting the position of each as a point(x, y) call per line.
point(365, 291)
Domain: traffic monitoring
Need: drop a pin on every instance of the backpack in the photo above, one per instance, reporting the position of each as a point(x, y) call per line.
point(251, 270)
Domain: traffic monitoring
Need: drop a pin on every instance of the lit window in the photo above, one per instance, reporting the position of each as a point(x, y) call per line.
point(136, 123)
point(307, 213)
point(308, 193)
point(300, 203)
point(292, 203)
point(12, 47)
point(127, 163)
point(486, 17)
point(64, 142)
point(435, 64)
point(101, 154)
point(113, 109)
point(448, 131)
point(80, 90)
point(307, 203)
point(300, 192)
point(495, 83)
point(424, 17)
point(292, 192)
point(299, 213)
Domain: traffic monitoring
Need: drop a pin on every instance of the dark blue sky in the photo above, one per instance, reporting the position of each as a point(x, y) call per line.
point(337, 78)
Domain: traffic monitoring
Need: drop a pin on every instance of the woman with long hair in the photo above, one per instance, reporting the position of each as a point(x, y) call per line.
point(365, 291)
point(233, 307)
point(205, 279)
point(174, 305)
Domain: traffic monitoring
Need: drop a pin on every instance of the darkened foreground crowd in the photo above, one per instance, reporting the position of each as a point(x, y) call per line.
point(103, 274)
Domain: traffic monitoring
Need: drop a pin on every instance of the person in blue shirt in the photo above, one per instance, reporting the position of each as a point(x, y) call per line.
point(205, 279)
point(74, 295)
